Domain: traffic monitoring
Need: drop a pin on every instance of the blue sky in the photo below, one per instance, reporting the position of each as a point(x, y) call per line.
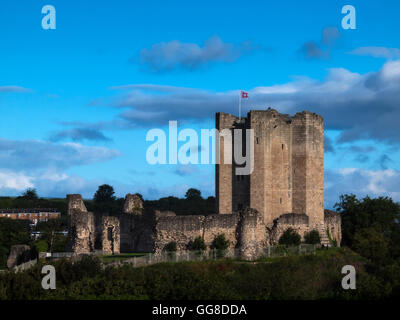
point(76, 102)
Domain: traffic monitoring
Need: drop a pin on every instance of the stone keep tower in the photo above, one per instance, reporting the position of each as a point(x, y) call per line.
point(288, 175)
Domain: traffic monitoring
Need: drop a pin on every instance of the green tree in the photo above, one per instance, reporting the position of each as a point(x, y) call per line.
point(105, 193)
point(105, 201)
point(50, 231)
point(193, 194)
point(312, 237)
point(290, 238)
point(30, 194)
point(197, 244)
point(41, 246)
point(170, 246)
point(220, 243)
point(381, 214)
point(371, 244)
point(12, 232)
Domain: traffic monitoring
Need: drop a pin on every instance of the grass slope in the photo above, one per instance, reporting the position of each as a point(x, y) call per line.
point(300, 277)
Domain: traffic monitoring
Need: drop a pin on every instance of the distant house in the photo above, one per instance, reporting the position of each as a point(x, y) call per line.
point(34, 215)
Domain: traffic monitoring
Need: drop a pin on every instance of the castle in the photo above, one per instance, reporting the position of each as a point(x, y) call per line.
point(285, 189)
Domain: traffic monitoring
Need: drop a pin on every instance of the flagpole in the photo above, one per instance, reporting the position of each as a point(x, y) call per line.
point(240, 104)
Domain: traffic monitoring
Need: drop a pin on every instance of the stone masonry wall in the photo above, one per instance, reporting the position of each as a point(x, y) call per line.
point(223, 171)
point(183, 229)
point(298, 222)
point(301, 224)
point(252, 234)
point(333, 223)
point(271, 180)
point(81, 226)
point(133, 204)
point(81, 232)
point(111, 235)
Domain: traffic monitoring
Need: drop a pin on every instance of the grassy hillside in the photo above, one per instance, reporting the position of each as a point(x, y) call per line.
point(302, 277)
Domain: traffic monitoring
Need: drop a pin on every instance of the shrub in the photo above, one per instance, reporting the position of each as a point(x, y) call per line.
point(312, 237)
point(41, 246)
point(60, 243)
point(290, 238)
point(170, 247)
point(220, 243)
point(87, 266)
point(197, 245)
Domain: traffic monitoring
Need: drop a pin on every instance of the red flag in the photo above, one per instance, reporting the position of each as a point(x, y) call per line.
point(245, 95)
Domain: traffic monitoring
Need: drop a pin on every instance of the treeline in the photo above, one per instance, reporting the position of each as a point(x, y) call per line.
point(105, 201)
point(192, 204)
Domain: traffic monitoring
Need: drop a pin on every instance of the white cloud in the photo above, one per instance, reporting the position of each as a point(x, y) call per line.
point(377, 52)
point(362, 106)
point(15, 180)
point(35, 154)
point(361, 182)
point(41, 164)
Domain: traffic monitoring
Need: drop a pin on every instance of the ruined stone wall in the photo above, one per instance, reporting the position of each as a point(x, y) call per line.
point(302, 224)
point(137, 233)
point(333, 222)
point(252, 234)
point(81, 231)
point(183, 229)
point(110, 235)
point(244, 230)
point(81, 226)
point(133, 229)
point(74, 201)
point(298, 222)
point(133, 204)
point(137, 226)
point(215, 225)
